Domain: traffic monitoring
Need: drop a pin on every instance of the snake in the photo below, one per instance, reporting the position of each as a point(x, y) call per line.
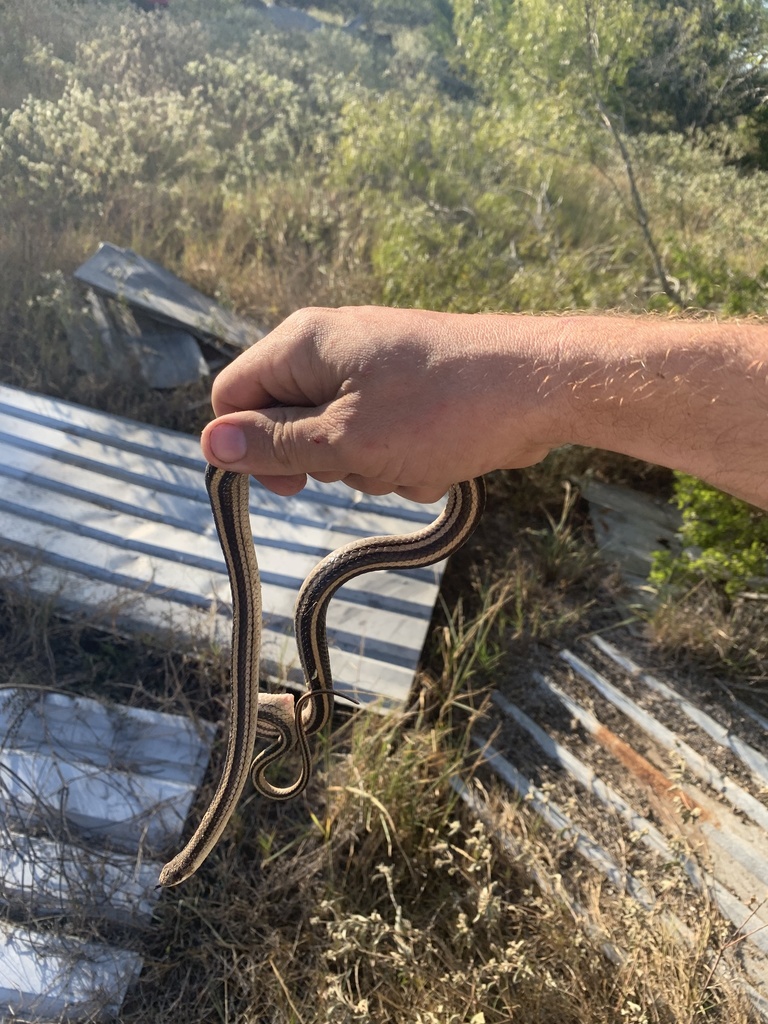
point(285, 722)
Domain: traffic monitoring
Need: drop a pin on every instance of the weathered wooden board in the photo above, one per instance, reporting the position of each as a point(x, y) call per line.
point(629, 527)
point(111, 517)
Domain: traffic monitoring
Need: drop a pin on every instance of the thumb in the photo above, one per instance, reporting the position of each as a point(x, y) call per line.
point(279, 442)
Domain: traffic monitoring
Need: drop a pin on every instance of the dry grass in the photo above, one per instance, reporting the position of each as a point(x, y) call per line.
point(379, 896)
point(259, 248)
point(722, 642)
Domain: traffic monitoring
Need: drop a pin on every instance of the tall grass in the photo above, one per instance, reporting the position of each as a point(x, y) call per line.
point(380, 896)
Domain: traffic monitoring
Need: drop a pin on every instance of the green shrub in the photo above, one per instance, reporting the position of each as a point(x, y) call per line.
point(725, 542)
point(72, 153)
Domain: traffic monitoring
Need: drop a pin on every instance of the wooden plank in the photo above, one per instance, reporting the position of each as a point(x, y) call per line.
point(629, 527)
point(60, 978)
point(633, 505)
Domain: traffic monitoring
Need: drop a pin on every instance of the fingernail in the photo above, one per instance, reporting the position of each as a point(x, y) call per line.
point(228, 443)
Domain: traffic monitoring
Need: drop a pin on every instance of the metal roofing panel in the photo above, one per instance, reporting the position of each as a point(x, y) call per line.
point(97, 502)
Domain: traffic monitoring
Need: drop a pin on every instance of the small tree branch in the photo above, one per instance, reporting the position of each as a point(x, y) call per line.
point(641, 215)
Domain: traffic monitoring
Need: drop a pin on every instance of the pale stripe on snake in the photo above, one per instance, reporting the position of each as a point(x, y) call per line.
point(278, 717)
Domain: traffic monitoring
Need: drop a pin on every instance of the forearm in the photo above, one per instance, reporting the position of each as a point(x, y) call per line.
point(412, 401)
point(685, 394)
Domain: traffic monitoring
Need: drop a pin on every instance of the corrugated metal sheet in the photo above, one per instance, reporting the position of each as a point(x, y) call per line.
point(116, 774)
point(47, 977)
point(706, 822)
point(92, 795)
point(111, 516)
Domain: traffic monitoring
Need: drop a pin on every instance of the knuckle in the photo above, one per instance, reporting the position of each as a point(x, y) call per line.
point(309, 323)
point(283, 438)
point(368, 485)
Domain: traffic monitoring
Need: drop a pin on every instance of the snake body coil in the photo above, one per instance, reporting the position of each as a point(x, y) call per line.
point(276, 717)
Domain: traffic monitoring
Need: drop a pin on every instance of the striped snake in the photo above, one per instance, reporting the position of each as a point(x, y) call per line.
point(285, 722)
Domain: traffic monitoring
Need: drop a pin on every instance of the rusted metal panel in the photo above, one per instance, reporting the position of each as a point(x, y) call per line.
point(658, 790)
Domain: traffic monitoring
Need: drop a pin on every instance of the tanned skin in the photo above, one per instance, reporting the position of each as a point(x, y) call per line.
point(412, 401)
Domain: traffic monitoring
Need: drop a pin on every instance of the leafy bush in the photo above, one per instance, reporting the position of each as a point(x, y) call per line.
point(72, 153)
point(147, 102)
point(725, 541)
point(276, 169)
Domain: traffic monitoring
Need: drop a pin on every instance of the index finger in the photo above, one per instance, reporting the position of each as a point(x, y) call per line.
point(244, 383)
point(282, 369)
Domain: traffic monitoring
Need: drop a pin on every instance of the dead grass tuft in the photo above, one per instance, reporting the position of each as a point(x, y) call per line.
point(725, 639)
point(379, 896)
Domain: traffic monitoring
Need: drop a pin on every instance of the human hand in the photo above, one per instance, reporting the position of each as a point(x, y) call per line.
point(386, 400)
point(413, 401)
